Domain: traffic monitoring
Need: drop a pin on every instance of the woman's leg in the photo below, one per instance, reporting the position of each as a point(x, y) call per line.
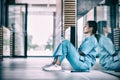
point(66, 49)
point(56, 54)
point(113, 63)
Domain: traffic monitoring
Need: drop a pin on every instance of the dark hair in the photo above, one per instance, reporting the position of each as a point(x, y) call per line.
point(93, 24)
point(101, 25)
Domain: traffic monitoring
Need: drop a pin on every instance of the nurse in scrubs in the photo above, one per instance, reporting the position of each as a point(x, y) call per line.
point(109, 58)
point(81, 59)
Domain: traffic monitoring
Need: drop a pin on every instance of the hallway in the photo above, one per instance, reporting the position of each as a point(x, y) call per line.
point(31, 69)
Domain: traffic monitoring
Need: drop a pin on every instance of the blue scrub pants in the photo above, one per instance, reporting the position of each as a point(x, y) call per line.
point(113, 63)
point(67, 50)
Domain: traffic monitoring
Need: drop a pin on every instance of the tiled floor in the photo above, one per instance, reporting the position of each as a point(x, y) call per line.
point(31, 69)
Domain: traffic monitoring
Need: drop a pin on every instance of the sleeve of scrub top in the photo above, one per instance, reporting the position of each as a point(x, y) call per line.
point(108, 45)
point(87, 46)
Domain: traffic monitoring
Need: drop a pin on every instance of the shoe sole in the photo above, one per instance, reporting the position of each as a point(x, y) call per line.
point(70, 71)
point(53, 70)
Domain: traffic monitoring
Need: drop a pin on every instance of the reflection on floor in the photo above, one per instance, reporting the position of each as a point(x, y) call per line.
point(31, 69)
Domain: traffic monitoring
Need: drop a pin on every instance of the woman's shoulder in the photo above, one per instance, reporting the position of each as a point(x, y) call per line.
point(103, 37)
point(93, 38)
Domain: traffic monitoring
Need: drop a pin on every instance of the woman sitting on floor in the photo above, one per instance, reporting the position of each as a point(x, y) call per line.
point(83, 58)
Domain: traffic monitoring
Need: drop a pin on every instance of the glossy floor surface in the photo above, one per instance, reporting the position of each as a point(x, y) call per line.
point(31, 69)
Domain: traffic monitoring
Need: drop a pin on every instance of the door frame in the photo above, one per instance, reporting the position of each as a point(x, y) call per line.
point(25, 28)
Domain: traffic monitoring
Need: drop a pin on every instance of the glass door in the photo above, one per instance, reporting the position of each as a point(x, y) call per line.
point(17, 21)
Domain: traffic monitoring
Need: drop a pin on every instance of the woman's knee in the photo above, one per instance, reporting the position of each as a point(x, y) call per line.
point(65, 41)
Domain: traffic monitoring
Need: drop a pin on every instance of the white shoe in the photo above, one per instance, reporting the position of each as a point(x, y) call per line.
point(54, 67)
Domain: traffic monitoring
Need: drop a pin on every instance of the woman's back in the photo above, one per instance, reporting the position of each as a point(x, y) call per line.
point(106, 54)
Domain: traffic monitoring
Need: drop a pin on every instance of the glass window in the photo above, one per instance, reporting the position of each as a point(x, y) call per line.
point(6, 41)
point(80, 30)
point(103, 18)
point(90, 15)
point(40, 34)
point(14, 43)
point(103, 13)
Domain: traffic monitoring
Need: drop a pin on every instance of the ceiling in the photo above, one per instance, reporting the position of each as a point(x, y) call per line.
point(40, 6)
point(37, 1)
point(83, 6)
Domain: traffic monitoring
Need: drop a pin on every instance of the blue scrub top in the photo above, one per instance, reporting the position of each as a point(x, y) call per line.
point(106, 50)
point(89, 47)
